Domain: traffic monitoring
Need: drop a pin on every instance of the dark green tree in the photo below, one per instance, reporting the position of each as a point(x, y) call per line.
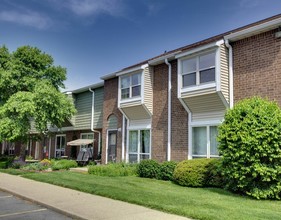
point(30, 86)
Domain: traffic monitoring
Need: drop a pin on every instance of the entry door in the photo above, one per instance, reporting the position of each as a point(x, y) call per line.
point(112, 144)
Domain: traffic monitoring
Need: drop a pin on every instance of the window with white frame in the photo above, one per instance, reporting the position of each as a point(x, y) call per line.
point(60, 145)
point(139, 145)
point(130, 86)
point(198, 70)
point(204, 141)
point(87, 136)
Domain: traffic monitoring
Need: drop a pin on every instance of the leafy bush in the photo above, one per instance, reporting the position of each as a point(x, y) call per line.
point(6, 161)
point(194, 173)
point(34, 167)
point(148, 169)
point(63, 164)
point(250, 143)
point(214, 176)
point(46, 162)
point(113, 169)
point(166, 170)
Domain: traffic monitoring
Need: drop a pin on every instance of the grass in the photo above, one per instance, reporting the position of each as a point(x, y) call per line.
point(197, 203)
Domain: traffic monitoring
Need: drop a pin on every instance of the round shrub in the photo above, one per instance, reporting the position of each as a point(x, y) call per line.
point(192, 173)
point(250, 145)
point(148, 169)
point(166, 170)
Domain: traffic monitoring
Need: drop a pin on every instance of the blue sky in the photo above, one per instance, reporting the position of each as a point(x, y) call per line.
point(92, 38)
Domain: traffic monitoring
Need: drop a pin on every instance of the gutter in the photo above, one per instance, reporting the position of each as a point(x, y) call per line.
point(230, 69)
point(92, 119)
point(169, 110)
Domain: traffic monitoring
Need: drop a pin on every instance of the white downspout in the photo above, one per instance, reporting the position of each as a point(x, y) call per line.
point(123, 136)
point(92, 119)
point(230, 60)
point(169, 110)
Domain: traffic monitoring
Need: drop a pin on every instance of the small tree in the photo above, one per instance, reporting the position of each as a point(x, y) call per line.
point(250, 145)
point(29, 91)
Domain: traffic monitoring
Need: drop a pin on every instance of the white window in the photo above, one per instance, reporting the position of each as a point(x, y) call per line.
point(87, 136)
point(198, 70)
point(204, 142)
point(139, 145)
point(60, 146)
point(131, 86)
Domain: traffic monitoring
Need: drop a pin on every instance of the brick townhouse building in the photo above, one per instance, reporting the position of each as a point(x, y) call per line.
point(168, 107)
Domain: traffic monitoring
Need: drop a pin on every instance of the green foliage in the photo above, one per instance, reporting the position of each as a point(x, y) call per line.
point(63, 164)
point(6, 161)
point(113, 169)
point(34, 167)
point(29, 90)
point(250, 143)
point(214, 176)
point(166, 170)
point(148, 169)
point(194, 173)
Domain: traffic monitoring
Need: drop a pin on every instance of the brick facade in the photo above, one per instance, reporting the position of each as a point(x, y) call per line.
point(179, 120)
point(257, 67)
point(110, 106)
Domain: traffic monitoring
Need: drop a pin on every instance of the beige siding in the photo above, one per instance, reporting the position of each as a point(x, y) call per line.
point(130, 103)
point(206, 107)
point(98, 115)
point(83, 103)
point(140, 123)
point(136, 112)
point(148, 93)
point(224, 72)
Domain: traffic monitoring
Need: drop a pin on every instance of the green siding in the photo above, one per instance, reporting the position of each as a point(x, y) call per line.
point(98, 115)
point(83, 104)
point(112, 122)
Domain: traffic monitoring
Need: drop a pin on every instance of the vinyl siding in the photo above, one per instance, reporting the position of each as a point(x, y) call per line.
point(148, 92)
point(112, 122)
point(98, 115)
point(136, 112)
point(206, 107)
point(224, 72)
point(83, 104)
point(144, 123)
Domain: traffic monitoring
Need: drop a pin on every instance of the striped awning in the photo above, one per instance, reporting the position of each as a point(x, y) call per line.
point(79, 142)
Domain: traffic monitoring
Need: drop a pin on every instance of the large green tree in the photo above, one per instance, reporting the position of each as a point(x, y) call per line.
point(30, 86)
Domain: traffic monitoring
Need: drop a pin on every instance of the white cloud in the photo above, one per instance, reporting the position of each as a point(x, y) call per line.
point(95, 7)
point(26, 18)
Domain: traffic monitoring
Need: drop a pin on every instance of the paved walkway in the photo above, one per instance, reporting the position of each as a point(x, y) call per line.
point(77, 204)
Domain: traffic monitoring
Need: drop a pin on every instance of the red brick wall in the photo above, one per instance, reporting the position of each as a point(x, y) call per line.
point(257, 67)
point(110, 106)
point(179, 142)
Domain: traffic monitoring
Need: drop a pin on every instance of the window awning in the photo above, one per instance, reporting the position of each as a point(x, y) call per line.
point(80, 142)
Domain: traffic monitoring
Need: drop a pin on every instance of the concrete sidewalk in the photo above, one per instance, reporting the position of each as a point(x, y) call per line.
point(77, 204)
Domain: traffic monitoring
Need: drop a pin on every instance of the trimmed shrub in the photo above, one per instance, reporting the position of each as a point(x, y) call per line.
point(166, 170)
point(113, 169)
point(193, 173)
point(63, 164)
point(250, 145)
point(6, 161)
point(214, 176)
point(148, 169)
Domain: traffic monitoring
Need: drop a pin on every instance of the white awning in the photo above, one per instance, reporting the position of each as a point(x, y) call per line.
point(79, 142)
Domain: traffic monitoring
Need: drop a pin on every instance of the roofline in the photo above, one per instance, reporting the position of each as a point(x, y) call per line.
point(259, 28)
point(86, 88)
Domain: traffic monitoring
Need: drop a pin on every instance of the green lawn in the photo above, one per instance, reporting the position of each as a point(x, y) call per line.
point(197, 203)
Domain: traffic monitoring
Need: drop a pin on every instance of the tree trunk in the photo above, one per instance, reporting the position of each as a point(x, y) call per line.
point(22, 151)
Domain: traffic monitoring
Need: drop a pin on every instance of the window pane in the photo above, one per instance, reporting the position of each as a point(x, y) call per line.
point(62, 142)
point(145, 141)
point(133, 141)
point(136, 79)
point(136, 91)
point(125, 93)
point(189, 65)
point(213, 140)
point(144, 157)
point(133, 158)
point(207, 61)
point(208, 75)
point(199, 145)
point(189, 79)
point(125, 82)
point(58, 142)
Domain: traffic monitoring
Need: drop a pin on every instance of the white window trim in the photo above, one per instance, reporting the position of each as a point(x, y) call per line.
point(196, 53)
point(88, 133)
point(138, 153)
point(207, 124)
point(135, 98)
point(59, 135)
